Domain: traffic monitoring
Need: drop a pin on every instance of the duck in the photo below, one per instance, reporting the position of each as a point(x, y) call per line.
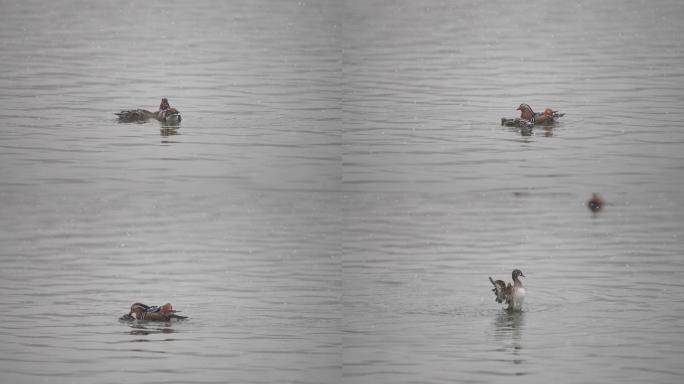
point(512, 294)
point(528, 118)
point(547, 118)
point(595, 204)
point(140, 311)
point(166, 114)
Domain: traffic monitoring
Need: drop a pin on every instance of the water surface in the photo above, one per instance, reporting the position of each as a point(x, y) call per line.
point(438, 196)
point(339, 191)
point(230, 218)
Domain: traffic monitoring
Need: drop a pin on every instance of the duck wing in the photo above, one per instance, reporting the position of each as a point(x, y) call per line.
point(499, 290)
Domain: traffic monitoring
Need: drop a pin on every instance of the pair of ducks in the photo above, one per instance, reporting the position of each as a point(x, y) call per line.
point(528, 118)
point(165, 115)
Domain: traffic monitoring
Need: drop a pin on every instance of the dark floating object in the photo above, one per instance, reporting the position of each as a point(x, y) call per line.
point(528, 118)
point(166, 115)
point(596, 202)
point(512, 294)
point(141, 311)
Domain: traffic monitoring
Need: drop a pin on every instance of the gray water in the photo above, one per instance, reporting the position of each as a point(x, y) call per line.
point(339, 191)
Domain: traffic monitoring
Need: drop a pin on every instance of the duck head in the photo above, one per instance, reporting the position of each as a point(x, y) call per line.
point(170, 116)
point(517, 273)
point(526, 112)
point(164, 104)
point(548, 112)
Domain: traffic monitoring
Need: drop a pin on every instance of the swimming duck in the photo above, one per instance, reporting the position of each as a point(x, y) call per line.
point(548, 117)
point(529, 118)
point(166, 114)
point(140, 311)
point(595, 204)
point(513, 295)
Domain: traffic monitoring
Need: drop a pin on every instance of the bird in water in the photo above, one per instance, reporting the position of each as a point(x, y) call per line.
point(596, 203)
point(140, 311)
point(548, 117)
point(166, 114)
point(528, 118)
point(511, 294)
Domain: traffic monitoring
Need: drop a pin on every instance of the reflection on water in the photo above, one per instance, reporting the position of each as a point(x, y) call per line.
point(165, 131)
point(146, 330)
point(509, 329)
point(546, 131)
point(526, 131)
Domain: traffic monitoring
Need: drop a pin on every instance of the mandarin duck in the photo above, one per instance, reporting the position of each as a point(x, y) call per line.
point(529, 118)
point(547, 118)
point(512, 294)
point(596, 203)
point(140, 311)
point(166, 114)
